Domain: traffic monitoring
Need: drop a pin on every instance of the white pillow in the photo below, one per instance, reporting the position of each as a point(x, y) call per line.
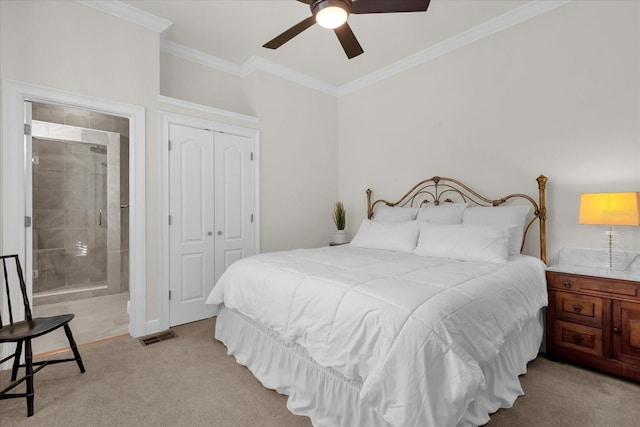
point(446, 213)
point(501, 215)
point(391, 236)
point(466, 242)
point(388, 214)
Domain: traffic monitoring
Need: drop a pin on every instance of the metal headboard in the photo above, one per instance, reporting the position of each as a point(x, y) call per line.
point(439, 190)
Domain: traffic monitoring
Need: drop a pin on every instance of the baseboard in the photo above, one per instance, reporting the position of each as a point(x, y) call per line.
point(153, 326)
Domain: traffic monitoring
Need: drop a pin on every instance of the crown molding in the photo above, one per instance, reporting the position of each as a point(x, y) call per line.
point(253, 64)
point(206, 109)
point(199, 57)
point(258, 63)
point(523, 13)
point(497, 24)
point(130, 13)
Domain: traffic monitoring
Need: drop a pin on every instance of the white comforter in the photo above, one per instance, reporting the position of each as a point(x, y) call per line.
point(414, 330)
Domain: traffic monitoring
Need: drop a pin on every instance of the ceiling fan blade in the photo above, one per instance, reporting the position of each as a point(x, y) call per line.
point(306, 1)
point(388, 6)
point(348, 41)
point(290, 33)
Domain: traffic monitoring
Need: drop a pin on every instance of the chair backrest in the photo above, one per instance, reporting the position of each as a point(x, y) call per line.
point(12, 270)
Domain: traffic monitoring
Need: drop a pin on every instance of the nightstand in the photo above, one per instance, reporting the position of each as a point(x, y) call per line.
point(593, 319)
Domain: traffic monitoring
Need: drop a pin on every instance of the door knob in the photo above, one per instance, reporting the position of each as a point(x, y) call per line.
point(219, 233)
point(210, 233)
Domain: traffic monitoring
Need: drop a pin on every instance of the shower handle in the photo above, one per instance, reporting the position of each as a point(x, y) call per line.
point(99, 216)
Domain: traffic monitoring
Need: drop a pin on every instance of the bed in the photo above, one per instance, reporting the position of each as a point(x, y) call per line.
point(426, 318)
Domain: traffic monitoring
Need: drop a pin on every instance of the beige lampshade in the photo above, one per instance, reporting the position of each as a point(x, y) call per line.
point(610, 208)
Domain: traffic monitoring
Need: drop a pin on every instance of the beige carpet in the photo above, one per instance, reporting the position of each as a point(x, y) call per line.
point(190, 381)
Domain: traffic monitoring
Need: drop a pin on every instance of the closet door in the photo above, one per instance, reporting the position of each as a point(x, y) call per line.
point(191, 229)
point(210, 204)
point(234, 198)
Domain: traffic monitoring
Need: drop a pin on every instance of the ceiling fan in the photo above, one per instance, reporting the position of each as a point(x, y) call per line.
point(333, 14)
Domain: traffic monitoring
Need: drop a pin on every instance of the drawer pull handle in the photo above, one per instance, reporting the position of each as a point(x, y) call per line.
point(567, 284)
point(616, 329)
point(577, 308)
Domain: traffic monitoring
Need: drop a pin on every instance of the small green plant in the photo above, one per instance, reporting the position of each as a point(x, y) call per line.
point(339, 216)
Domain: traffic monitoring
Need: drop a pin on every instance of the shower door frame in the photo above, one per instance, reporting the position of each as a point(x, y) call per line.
point(87, 138)
point(16, 208)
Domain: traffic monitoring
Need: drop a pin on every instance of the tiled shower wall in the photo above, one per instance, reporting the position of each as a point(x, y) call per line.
point(69, 187)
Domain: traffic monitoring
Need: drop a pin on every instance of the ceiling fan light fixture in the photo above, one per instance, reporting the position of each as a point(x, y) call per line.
point(333, 14)
point(330, 13)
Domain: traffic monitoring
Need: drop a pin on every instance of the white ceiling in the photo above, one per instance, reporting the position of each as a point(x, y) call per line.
point(228, 35)
point(235, 30)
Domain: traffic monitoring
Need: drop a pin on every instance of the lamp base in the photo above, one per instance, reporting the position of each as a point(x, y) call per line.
point(610, 235)
point(621, 261)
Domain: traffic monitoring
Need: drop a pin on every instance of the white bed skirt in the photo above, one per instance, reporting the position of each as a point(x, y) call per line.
point(330, 400)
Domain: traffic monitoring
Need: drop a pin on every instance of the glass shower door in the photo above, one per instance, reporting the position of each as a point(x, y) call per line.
point(72, 215)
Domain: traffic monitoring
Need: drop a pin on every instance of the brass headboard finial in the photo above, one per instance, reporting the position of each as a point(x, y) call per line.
point(542, 181)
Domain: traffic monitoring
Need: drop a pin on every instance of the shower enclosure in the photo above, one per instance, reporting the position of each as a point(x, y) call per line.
point(77, 242)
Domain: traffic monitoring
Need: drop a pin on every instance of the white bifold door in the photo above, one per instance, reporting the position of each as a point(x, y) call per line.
point(211, 214)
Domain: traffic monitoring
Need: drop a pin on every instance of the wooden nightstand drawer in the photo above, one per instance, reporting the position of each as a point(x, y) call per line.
point(599, 285)
point(583, 309)
point(578, 337)
point(618, 288)
point(594, 321)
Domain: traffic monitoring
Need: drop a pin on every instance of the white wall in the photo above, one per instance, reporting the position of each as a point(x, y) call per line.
point(73, 47)
point(68, 46)
point(203, 85)
point(299, 165)
point(298, 146)
point(558, 95)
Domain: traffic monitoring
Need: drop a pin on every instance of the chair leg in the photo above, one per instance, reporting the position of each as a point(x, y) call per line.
point(28, 356)
point(16, 360)
point(74, 348)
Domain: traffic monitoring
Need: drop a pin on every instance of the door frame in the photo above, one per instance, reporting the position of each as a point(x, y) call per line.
point(14, 208)
point(166, 119)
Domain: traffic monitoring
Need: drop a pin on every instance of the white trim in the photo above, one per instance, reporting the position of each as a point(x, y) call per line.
point(258, 63)
point(166, 119)
point(153, 327)
point(254, 63)
point(199, 57)
point(130, 13)
point(497, 24)
point(13, 239)
point(206, 109)
point(14, 94)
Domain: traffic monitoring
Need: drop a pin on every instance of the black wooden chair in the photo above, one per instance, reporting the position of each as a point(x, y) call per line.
point(22, 332)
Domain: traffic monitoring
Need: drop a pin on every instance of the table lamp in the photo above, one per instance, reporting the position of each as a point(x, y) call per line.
point(610, 209)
